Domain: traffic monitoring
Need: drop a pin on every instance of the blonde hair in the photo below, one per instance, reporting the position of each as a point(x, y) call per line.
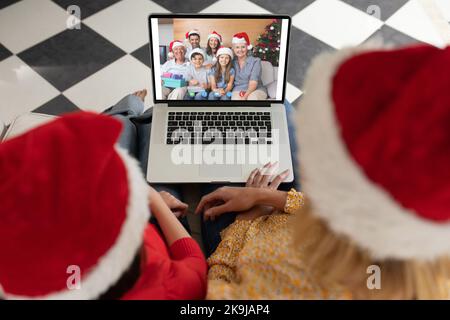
point(335, 259)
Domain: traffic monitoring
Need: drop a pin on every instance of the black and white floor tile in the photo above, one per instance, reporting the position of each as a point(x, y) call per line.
point(46, 67)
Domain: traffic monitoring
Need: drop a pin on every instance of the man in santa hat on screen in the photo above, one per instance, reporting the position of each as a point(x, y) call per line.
point(192, 40)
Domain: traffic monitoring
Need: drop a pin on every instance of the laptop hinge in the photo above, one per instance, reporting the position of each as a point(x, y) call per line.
point(259, 104)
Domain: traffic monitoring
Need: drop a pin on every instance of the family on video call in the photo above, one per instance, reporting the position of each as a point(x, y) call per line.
point(216, 72)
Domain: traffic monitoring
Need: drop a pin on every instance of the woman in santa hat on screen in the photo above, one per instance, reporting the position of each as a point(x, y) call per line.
point(177, 65)
point(247, 83)
point(214, 43)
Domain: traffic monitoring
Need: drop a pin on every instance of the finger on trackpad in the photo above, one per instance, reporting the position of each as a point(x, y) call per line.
point(220, 171)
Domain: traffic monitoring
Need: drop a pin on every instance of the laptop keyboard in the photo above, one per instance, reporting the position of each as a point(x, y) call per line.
point(184, 127)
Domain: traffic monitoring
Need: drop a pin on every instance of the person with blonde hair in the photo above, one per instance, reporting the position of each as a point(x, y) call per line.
point(374, 219)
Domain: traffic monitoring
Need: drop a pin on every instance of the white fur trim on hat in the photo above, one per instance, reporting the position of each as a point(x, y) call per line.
point(191, 32)
point(213, 35)
point(197, 50)
point(177, 44)
point(238, 40)
point(118, 259)
point(341, 194)
point(225, 50)
point(241, 40)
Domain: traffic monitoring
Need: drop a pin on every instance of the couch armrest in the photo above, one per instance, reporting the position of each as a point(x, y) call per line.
point(26, 122)
point(275, 73)
point(2, 129)
point(266, 73)
point(272, 90)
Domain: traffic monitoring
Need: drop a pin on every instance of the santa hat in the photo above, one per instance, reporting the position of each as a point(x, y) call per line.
point(197, 50)
point(70, 198)
point(224, 50)
point(373, 128)
point(193, 31)
point(173, 45)
point(242, 37)
point(214, 34)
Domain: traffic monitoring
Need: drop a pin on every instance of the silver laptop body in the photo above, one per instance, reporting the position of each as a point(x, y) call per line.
point(216, 141)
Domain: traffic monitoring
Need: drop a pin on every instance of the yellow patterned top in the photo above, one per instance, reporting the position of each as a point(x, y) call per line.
point(256, 260)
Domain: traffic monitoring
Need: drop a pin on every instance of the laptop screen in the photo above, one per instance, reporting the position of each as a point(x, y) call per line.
point(219, 58)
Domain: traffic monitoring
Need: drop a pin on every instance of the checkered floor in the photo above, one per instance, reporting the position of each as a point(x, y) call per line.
point(48, 68)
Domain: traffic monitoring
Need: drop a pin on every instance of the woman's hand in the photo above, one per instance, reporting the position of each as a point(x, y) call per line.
point(237, 199)
point(227, 199)
point(161, 199)
point(262, 178)
point(154, 197)
point(193, 82)
point(178, 208)
point(171, 227)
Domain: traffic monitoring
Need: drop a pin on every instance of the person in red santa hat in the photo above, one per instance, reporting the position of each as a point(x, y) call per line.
point(192, 40)
point(247, 84)
point(177, 65)
point(213, 45)
point(222, 75)
point(75, 211)
point(374, 222)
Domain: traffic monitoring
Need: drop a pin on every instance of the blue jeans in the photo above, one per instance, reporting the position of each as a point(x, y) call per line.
point(197, 96)
point(136, 138)
point(211, 96)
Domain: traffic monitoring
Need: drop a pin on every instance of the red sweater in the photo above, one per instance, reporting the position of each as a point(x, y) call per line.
point(175, 272)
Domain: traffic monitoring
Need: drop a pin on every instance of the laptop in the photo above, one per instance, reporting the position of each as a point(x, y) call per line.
point(200, 133)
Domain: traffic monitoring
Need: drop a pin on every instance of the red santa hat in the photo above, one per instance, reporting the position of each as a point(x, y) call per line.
point(173, 45)
point(242, 37)
point(70, 198)
point(193, 31)
point(373, 128)
point(214, 34)
point(224, 50)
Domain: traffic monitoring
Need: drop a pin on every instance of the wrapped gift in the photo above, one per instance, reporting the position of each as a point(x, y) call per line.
point(173, 83)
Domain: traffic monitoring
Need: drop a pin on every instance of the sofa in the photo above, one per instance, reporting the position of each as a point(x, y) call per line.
point(2, 129)
point(269, 78)
point(23, 123)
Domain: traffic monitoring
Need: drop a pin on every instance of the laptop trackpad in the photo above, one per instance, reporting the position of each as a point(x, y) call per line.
point(220, 171)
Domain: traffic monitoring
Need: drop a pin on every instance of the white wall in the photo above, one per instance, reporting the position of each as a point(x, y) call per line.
point(166, 34)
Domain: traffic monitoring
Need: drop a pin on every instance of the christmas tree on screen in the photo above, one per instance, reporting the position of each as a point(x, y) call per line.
point(268, 46)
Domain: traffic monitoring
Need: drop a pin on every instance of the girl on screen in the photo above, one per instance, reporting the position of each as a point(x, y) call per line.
point(222, 76)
